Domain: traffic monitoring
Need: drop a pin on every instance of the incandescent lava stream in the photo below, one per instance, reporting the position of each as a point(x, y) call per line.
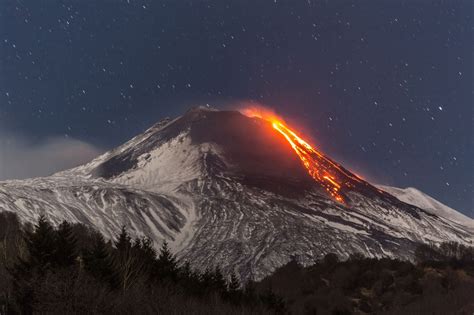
point(327, 173)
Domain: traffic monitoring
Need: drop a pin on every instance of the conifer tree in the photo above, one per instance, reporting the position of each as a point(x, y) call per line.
point(123, 243)
point(66, 245)
point(234, 283)
point(207, 279)
point(144, 247)
point(190, 279)
point(167, 266)
point(145, 257)
point(234, 294)
point(98, 262)
point(185, 271)
point(218, 281)
point(40, 244)
point(40, 247)
point(124, 259)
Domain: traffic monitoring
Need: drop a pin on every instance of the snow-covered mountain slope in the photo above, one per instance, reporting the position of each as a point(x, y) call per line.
point(227, 189)
point(421, 200)
point(96, 203)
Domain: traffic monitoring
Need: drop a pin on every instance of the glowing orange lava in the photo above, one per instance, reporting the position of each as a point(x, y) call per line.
point(305, 152)
point(326, 172)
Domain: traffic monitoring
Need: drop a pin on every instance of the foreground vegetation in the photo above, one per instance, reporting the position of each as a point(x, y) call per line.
point(73, 269)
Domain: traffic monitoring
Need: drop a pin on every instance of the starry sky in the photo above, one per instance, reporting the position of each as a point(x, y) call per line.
point(384, 87)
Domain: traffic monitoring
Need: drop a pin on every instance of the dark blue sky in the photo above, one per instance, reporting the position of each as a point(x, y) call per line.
point(385, 87)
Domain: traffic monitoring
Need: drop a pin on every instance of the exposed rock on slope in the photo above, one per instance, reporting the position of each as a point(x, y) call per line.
point(226, 189)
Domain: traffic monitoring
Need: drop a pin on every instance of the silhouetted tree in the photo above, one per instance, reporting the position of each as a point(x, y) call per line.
point(126, 263)
point(234, 283)
point(41, 244)
point(11, 238)
point(218, 281)
point(234, 294)
point(206, 280)
point(123, 243)
point(145, 257)
point(190, 279)
point(117, 278)
point(41, 249)
point(185, 270)
point(166, 264)
point(98, 262)
point(66, 245)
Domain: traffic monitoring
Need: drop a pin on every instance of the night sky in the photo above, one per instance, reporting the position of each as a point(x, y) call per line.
point(384, 87)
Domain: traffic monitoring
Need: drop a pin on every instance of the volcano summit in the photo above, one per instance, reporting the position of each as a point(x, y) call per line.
point(243, 192)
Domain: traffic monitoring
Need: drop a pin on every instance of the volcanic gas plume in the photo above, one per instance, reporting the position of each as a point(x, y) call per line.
point(327, 173)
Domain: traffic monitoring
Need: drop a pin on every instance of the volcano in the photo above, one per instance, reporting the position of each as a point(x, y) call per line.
point(245, 193)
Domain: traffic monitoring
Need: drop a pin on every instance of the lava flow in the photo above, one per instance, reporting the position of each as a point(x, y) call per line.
point(320, 168)
point(307, 155)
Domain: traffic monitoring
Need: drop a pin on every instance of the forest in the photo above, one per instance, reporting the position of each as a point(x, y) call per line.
point(71, 268)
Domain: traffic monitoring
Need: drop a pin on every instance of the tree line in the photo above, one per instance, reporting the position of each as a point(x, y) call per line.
point(70, 268)
point(73, 269)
